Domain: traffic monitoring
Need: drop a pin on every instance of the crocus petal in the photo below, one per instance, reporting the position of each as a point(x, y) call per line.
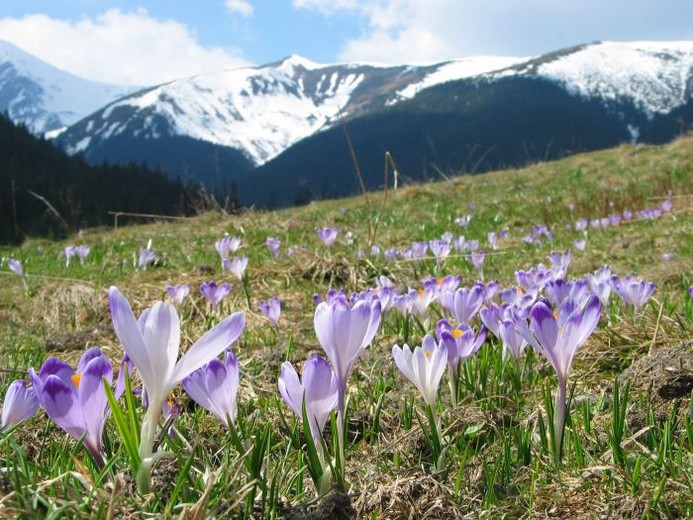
point(20, 404)
point(543, 325)
point(402, 357)
point(129, 333)
point(89, 354)
point(209, 346)
point(195, 387)
point(92, 397)
point(320, 390)
point(290, 388)
point(224, 401)
point(60, 402)
point(161, 334)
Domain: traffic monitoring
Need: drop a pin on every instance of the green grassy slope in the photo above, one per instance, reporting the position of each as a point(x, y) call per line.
point(497, 463)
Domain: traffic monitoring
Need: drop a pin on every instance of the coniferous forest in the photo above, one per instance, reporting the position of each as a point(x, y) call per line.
point(43, 192)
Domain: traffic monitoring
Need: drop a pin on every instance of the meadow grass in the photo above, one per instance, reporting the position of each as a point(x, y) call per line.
point(628, 445)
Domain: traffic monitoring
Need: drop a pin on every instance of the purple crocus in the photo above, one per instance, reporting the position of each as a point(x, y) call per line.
point(513, 342)
point(80, 252)
point(214, 387)
point(492, 238)
point(460, 343)
point(633, 290)
point(344, 332)
point(274, 245)
point(328, 235)
point(147, 257)
point(178, 292)
point(492, 316)
point(20, 404)
point(237, 266)
point(440, 249)
point(214, 293)
point(580, 245)
point(76, 401)
point(419, 250)
point(227, 245)
point(317, 391)
point(153, 344)
point(465, 303)
point(272, 309)
point(16, 267)
point(69, 253)
point(477, 260)
point(557, 336)
point(600, 284)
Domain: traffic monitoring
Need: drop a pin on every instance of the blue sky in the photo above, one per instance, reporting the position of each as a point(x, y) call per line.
point(145, 42)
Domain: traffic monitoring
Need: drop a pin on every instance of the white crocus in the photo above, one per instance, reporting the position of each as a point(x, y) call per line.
point(424, 367)
point(153, 344)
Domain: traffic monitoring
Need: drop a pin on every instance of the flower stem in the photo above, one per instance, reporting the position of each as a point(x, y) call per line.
point(559, 418)
point(147, 438)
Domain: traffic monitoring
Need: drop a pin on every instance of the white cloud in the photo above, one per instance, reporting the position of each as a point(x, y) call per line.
point(404, 31)
point(118, 47)
point(242, 7)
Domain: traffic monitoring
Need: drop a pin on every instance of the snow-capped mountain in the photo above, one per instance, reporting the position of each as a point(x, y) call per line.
point(656, 77)
point(263, 111)
point(45, 98)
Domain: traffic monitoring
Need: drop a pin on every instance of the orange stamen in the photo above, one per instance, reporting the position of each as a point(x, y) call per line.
point(427, 354)
point(76, 378)
point(457, 333)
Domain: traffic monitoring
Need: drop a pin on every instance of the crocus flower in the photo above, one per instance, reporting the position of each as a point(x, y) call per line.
point(344, 333)
point(147, 257)
point(80, 252)
point(77, 402)
point(488, 289)
point(557, 336)
point(237, 266)
point(465, 303)
point(226, 246)
point(477, 260)
point(580, 244)
point(513, 342)
point(460, 343)
point(558, 290)
point(69, 253)
point(20, 404)
point(463, 221)
point(214, 387)
point(633, 290)
point(328, 235)
point(274, 245)
point(492, 238)
point(600, 284)
point(271, 309)
point(560, 263)
point(317, 391)
point(16, 267)
point(153, 344)
point(423, 366)
point(419, 250)
point(214, 293)
point(440, 249)
point(178, 292)
point(492, 316)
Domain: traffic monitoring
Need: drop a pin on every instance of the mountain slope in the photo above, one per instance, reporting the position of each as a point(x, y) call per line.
point(45, 98)
point(227, 126)
point(261, 111)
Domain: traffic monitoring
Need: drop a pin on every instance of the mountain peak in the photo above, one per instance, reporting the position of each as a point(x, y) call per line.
point(295, 60)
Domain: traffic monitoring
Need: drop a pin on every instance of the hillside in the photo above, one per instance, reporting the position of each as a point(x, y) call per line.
point(626, 455)
point(75, 194)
